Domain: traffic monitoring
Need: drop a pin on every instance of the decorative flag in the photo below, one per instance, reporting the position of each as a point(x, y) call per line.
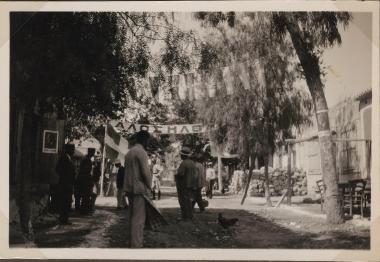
point(174, 89)
point(210, 84)
point(219, 79)
point(228, 80)
point(198, 87)
point(115, 145)
point(243, 75)
point(182, 87)
point(190, 86)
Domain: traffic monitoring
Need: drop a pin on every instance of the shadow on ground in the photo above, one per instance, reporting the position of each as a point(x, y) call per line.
point(252, 231)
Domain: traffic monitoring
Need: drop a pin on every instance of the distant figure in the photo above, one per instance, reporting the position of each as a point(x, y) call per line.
point(66, 171)
point(210, 178)
point(186, 182)
point(121, 202)
point(137, 183)
point(96, 173)
point(201, 181)
point(157, 171)
point(85, 183)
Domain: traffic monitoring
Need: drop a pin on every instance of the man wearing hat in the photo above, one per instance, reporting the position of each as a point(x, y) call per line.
point(186, 182)
point(137, 183)
point(121, 203)
point(66, 171)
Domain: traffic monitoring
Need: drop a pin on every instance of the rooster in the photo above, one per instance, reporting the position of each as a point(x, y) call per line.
point(225, 222)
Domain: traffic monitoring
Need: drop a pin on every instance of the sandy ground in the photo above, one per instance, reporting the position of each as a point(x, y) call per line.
point(297, 226)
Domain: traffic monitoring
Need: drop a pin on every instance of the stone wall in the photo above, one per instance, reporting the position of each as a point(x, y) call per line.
point(278, 182)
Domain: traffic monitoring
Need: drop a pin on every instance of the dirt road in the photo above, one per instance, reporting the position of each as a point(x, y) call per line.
point(258, 227)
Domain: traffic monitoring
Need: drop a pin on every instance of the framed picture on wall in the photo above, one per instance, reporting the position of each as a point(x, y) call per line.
point(50, 142)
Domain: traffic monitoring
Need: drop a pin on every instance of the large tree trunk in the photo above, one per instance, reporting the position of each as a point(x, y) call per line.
point(25, 175)
point(310, 65)
point(252, 160)
point(266, 183)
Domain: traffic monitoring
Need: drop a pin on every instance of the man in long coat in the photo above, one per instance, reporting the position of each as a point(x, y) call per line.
point(186, 182)
point(85, 183)
point(137, 182)
point(201, 181)
point(66, 171)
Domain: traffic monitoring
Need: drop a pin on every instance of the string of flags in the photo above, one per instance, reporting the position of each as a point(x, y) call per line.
point(201, 84)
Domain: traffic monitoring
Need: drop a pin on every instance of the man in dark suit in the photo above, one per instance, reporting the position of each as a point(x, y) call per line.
point(66, 171)
point(85, 183)
point(186, 182)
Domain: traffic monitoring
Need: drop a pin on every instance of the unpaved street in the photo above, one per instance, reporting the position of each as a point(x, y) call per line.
point(258, 227)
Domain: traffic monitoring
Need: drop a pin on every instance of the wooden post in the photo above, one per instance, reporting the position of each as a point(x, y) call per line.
point(103, 164)
point(220, 182)
point(289, 178)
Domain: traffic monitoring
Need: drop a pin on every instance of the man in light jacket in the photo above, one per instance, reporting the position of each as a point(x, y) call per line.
point(137, 182)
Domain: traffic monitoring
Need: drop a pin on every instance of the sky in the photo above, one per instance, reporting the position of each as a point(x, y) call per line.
point(349, 64)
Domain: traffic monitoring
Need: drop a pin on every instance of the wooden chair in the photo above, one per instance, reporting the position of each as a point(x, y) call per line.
point(321, 190)
point(357, 190)
point(367, 194)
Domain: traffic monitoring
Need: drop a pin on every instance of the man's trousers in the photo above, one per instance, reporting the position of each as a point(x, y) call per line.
point(121, 202)
point(137, 217)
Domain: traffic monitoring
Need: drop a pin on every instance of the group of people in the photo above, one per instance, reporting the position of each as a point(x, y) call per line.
point(139, 177)
point(84, 185)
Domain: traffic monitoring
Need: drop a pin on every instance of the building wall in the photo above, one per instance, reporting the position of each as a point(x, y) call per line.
point(349, 119)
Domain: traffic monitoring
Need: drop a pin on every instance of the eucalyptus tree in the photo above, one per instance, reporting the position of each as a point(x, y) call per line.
point(307, 34)
point(266, 105)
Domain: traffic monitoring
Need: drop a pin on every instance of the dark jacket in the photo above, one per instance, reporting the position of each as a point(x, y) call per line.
point(120, 178)
point(187, 174)
point(66, 171)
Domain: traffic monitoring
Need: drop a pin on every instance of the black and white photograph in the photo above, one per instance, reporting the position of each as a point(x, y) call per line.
point(218, 129)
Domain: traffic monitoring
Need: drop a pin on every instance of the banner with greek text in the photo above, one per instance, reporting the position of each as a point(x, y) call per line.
point(166, 129)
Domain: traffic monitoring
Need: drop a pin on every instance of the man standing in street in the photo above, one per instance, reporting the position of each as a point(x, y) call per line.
point(66, 171)
point(157, 171)
point(210, 178)
point(121, 203)
point(201, 182)
point(85, 182)
point(137, 183)
point(186, 181)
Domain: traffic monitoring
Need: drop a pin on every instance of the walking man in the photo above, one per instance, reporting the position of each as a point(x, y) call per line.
point(66, 171)
point(121, 203)
point(137, 183)
point(186, 182)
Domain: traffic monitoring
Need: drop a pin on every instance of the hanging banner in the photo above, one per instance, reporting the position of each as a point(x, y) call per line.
point(189, 77)
point(228, 80)
point(244, 75)
point(166, 129)
point(182, 87)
